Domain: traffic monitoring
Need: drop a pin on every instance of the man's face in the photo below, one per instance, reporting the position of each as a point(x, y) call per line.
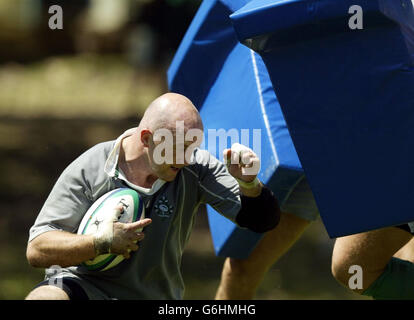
point(168, 154)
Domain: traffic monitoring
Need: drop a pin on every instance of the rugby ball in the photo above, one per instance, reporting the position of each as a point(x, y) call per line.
point(134, 210)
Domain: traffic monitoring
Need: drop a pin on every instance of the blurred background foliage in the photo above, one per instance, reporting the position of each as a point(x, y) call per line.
point(62, 91)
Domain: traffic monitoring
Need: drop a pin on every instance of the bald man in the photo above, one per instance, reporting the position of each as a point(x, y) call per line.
point(141, 159)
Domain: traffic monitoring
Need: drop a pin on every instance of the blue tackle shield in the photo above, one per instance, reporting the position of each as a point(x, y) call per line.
point(344, 75)
point(343, 72)
point(230, 86)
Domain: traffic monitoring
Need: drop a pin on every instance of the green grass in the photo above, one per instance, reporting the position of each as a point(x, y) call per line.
point(77, 86)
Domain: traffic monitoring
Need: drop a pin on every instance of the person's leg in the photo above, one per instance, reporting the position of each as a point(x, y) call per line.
point(65, 289)
point(406, 252)
point(374, 252)
point(47, 293)
point(241, 277)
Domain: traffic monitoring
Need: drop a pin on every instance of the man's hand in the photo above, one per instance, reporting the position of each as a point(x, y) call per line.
point(259, 207)
point(244, 165)
point(116, 237)
point(242, 162)
point(126, 236)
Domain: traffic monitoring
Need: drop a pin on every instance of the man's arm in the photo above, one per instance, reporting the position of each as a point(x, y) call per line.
point(260, 210)
point(52, 239)
point(67, 249)
point(261, 213)
point(244, 165)
point(60, 248)
point(252, 192)
point(246, 202)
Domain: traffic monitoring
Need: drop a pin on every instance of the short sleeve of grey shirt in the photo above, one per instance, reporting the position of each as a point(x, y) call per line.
point(72, 194)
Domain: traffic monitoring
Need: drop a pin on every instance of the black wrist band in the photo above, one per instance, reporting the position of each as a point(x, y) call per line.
point(259, 214)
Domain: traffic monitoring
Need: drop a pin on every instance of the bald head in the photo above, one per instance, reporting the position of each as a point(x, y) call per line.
point(169, 131)
point(169, 108)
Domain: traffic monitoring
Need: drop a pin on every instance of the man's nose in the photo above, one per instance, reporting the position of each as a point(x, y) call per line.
point(182, 160)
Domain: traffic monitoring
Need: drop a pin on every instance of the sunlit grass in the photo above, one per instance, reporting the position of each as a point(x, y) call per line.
point(77, 86)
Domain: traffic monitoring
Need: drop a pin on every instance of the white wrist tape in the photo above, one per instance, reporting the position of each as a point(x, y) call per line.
point(248, 185)
point(105, 234)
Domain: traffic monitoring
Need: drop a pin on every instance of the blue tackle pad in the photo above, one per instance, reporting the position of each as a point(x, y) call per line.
point(230, 86)
point(347, 95)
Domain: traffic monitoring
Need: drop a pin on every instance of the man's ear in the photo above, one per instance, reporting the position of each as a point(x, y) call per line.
point(146, 137)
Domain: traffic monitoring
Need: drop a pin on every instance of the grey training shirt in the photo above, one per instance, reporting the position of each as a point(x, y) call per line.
point(152, 272)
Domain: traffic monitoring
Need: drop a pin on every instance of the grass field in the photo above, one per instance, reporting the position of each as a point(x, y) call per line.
point(77, 86)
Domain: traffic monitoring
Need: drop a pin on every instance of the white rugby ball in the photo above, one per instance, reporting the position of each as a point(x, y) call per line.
point(134, 210)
